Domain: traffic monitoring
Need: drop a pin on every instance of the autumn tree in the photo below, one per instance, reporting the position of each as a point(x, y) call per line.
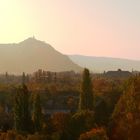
point(61, 125)
point(94, 134)
point(86, 97)
point(126, 116)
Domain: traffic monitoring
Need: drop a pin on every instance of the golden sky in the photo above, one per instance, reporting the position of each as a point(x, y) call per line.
point(89, 27)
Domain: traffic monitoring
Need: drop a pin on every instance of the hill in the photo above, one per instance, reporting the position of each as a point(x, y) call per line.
point(101, 64)
point(31, 55)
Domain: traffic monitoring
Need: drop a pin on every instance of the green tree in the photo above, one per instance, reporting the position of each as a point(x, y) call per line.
point(22, 117)
point(37, 113)
point(86, 97)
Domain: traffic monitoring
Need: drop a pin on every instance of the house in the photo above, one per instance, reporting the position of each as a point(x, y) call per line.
point(119, 73)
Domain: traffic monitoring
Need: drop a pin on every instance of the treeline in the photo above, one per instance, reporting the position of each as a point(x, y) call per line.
point(106, 110)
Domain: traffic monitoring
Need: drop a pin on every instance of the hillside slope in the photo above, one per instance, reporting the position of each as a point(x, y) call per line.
point(31, 55)
point(101, 64)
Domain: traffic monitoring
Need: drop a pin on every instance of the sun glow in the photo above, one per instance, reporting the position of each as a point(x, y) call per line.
point(12, 21)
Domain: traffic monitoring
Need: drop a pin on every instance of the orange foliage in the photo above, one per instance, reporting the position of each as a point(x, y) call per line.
point(97, 133)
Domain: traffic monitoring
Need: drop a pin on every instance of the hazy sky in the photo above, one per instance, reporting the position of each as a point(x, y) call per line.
point(89, 27)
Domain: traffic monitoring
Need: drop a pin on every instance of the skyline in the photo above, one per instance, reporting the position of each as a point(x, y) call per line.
point(92, 28)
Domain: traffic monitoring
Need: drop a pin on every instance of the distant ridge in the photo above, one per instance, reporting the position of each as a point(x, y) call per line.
point(31, 55)
point(101, 64)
